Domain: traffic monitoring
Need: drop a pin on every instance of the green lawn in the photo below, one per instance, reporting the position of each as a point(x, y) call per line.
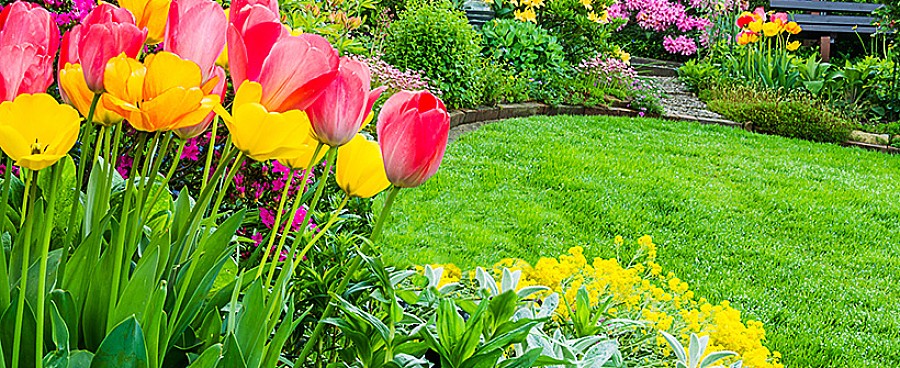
point(802, 236)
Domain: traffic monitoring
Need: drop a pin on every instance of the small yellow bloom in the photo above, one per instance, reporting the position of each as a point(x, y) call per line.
point(587, 4)
point(527, 15)
point(360, 168)
point(793, 46)
point(76, 92)
point(165, 93)
point(264, 135)
point(150, 14)
point(36, 131)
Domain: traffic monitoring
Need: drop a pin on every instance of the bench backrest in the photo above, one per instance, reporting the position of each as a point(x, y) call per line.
point(824, 6)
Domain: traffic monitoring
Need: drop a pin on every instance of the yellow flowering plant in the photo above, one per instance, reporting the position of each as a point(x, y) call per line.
point(765, 52)
point(631, 301)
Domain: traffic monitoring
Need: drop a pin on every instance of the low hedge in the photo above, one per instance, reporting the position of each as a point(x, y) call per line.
point(794, 119)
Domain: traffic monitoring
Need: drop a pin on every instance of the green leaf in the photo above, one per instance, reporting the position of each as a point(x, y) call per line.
point(714, 357)
point(122, 348)
point(251, 331)
point(7, 334)
point(209, 358)
point(450, 325)
point(675, 345)
point(232, 356)
point(68, 312)
point(80, 359)
point(60, 330)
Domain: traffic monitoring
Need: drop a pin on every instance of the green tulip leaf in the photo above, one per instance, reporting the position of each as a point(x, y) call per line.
point(122, 348)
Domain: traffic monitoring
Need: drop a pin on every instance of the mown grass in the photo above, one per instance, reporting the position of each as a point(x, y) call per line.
point(802, 236)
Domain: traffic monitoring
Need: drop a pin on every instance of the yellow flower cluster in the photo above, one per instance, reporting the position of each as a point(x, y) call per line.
point(640, 291)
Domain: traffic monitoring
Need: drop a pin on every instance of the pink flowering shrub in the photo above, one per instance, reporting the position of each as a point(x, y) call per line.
point(682, 25)
point(66, 13)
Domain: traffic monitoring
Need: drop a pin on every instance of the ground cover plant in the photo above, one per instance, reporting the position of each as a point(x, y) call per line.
point(795, 234)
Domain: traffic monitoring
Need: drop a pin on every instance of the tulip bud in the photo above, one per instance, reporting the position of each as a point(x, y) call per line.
point(413, 128)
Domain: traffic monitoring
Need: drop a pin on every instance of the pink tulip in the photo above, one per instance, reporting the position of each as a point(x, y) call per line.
point(293, 70)
point(195, 31)
point(780, 16)
point(761, 13)
point(340, 112)
point(29, 39)
point(106, 32)
point(412, 130)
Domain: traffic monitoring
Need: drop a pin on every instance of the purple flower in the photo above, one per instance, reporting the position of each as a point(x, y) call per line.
point(680, 45)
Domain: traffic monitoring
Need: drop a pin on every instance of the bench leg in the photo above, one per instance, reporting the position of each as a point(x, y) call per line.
point(825, 46)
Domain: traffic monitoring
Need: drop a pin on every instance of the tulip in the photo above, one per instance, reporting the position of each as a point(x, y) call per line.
point(106, 32)
point(413, 128)
point(746, 18)
point(264, 135)
point(780, 17)
point(792, 28)
point(793, 46)
point(29, 39)
point(196, 32)
point(756, 26)
point(772, 29)
point(164, 93)
point(150, 15)
point(747, 37)
point(360, 168)
point(74, 91)
point(36, 131)
point(760, 13)
point(293, 70)
point(345, 105)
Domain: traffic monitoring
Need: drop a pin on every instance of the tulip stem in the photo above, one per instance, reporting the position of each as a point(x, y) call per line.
point(86, 139)
point(331, 221)
point(48, 219)
point(176, 160)
point(30, 187)
point(4, 196)
point(296, 205)
point(210, 149)
point(384, 214)
point(275, 227)
point(228, 178)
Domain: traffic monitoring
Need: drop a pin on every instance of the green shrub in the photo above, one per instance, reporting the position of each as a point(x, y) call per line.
point(502, 85)
point(793, 116)
point(698, 76)
point(522, 45)
point(580, 37)
point(439, 41)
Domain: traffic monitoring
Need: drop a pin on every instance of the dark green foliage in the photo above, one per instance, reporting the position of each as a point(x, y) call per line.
point(790, 119)
point(522, 45)
point(439, 41)
point(698, 76)
point(580, 37)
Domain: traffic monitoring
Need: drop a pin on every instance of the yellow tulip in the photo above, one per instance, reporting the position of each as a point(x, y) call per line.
point(360, 168)
point(75, 91)
point(165, 93)
point(36, 131)
point(264, 135)
point(755, 26)
point(793, 46)
point(772, 29)
point(792, 28)
point(150, 14)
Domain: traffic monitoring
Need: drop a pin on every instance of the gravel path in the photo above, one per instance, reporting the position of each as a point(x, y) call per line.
point(678, 101)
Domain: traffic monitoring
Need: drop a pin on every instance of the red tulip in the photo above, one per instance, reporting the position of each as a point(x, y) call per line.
point(412, 130)
point(196, 32)
point(29, 39)
point(106, 32)
point(293, 70)
point(344, 107)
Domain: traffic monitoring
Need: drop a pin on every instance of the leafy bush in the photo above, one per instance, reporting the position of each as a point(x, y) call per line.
point(793, 116)
point(582, 33)
point(502, 85)
point(522, 45)
point(438, 41)
point(698, 76)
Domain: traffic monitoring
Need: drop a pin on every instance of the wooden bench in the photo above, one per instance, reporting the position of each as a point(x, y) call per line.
point(819, 23)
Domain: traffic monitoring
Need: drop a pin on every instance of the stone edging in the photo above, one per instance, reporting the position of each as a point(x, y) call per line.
point(877, 142)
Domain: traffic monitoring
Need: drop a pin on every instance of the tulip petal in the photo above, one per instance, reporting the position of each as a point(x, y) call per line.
point(37, 122)
point(360, 168)
point(296, 72)
point(166, 70)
